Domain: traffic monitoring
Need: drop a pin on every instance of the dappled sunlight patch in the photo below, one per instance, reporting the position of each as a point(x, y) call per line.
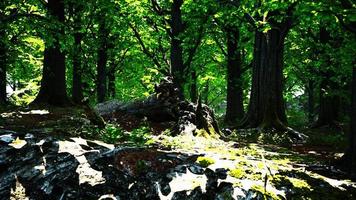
point(18, 143)
point(185, 182)
point(35, 112)
point(18, 192)
point(86, 173)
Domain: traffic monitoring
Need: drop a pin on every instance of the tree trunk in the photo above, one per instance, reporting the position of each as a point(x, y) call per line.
point(177, 66)
point(53, 83)
point(102, 61)
point(328, 109)
point(329, 103)
point(234, 108)
point(77, 87)
point(266, 108)
point(193, 87)
point(111, 84)
point(3, 64)
point(311, 104)
point(3, 58)
point(352, 136)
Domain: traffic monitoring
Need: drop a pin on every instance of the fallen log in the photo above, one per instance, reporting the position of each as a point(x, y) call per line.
point(165, 105)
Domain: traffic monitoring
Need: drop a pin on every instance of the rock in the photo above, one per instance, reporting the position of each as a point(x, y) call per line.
point(225, 191)
point(75, 168)
point(189, 195)
point(180, 169)
point(221, 173)
point(196, 169)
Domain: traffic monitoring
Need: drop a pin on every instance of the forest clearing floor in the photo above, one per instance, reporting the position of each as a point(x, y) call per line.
point(163, 167)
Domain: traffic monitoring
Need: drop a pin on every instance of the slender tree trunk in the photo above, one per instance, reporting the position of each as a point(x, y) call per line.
point(102, 61)
point(193, 87)
point(53, 84)
point(352, 136)
point(3, 64)
point(177, 66)
point(234, 108)
point(3, 57)
point(77, 85)
point(111, 84)
point(311, 104)
point(266, 109)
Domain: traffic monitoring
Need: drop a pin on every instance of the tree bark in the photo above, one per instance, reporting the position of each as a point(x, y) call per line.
point(193, 87)
point(311, 104)
point(266, 108)
point(352, 136)
point(3, 64)
point(234, 107)
point(53, 83)
point(177, 65)
point(111, 84)
point(329, 103)
point(77, 85)
point(3, 58)
point(102, 61)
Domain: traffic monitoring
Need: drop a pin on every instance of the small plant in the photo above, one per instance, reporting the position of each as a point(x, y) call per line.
point(113, 133)
point(140, 135)
point(205, 161)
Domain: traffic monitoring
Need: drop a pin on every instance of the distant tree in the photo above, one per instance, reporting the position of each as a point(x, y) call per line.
point(101, 77)
point(75, 9)
point(3, 64)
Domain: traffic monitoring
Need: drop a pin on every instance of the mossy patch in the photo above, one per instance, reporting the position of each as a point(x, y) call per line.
point(205, 161)
point(238, 173)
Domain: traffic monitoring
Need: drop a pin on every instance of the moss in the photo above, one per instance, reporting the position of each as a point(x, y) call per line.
point(205, 161)
point(207, 134)
point(237, 173)
point(299, 183)
point(265, 194)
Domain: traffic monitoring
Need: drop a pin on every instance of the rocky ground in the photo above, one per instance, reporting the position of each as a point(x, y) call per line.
point(43, 155)
point(38, 166)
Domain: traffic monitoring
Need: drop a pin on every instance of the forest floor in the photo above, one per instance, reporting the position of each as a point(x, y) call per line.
point(255, 170)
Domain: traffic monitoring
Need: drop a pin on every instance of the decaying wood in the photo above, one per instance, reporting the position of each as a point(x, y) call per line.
point(165, 105)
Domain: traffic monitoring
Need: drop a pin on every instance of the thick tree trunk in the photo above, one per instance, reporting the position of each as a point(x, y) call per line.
point(101, 65)
point(177, 65)
point(234, 107)
point(266, 109)
point(53, 84)
point(329, 104)
point(77, 85)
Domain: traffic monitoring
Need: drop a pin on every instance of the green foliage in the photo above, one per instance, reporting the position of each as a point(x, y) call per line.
point(114, 133)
